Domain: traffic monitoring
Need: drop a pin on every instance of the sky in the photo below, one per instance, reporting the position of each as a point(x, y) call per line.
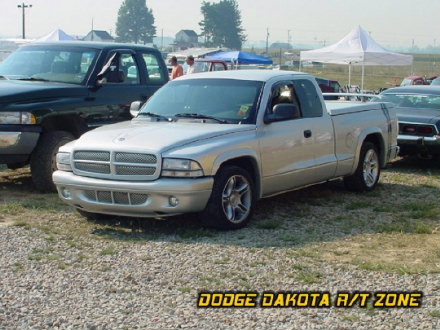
point(392, 23)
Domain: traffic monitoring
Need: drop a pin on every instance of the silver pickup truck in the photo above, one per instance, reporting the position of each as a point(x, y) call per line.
point(215, 143)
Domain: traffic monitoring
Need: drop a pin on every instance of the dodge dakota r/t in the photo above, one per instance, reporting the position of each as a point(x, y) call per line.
point(216, 143)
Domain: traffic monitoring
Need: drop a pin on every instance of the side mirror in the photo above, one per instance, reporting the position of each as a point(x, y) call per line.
point(135, 107)
point(281, 112)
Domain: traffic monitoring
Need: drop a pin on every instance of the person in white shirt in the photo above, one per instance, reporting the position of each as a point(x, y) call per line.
point(190, 61)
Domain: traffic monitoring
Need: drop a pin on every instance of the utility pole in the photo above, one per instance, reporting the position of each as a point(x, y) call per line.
point(267, 41)
point(23, 6)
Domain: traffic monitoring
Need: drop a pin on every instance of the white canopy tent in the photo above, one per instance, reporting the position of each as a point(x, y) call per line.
point(56, 35)
point(356, 48)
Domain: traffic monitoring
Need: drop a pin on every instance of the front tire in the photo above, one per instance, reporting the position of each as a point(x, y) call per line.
point(367, 173)
point(232, 200)
point(43, 159)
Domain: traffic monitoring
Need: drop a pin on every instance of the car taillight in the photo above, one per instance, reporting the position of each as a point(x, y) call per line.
point(409, 129)
point(416, 129)
point(425, 130)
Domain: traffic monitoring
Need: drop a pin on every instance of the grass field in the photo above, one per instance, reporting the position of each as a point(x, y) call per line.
point(377, 77)
point(374, 231)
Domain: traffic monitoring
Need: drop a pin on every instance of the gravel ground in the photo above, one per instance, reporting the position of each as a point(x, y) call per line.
point(153, 284)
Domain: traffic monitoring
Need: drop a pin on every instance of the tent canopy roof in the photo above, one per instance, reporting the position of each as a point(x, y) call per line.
point(357, 48)
point(56, 35)
point(241, 57)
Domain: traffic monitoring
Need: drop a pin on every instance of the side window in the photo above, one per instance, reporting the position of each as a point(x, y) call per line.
point(282, 93)
point(311, 105)
point(155, 73)
point(128, 65)
point(219, 67)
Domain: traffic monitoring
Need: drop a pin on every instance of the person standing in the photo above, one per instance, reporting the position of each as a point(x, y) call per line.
point(177, 68)
point(190, 61)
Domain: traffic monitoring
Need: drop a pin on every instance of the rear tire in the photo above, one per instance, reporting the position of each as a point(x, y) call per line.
point(232, 200)
point(43, 159)
point(367, 173)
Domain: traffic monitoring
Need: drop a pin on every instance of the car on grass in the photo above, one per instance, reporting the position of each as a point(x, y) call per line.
point(52, 92)
point(418, 113)
point(215, 143)
point(435, 82)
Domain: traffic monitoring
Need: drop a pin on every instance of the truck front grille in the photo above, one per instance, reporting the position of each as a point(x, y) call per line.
point(116, 165)
point(115, 197)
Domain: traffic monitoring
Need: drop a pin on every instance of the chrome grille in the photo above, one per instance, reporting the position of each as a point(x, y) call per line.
point(134, 170)
point(93, 167)
point(116, 165)
point(121, 198)
point(135, 158)
point(92, 155)
point(115, 197)
point(104, 196)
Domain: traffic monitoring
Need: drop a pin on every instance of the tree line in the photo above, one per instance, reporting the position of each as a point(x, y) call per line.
point(220, 26)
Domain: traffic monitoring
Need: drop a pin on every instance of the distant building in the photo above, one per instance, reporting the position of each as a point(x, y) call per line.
point(281, 45)
point(186, 39)
point(97, 35)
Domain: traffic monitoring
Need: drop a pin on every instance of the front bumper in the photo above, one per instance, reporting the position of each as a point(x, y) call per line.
point(16, 146)
point(137, 199)
point(410, 144)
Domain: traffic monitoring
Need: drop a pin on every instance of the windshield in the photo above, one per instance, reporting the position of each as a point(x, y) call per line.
point(417, 101)
point(231, 101)
point(60, 64)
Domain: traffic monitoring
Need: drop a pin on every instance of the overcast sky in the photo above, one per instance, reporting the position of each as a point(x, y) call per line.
point(390, 22)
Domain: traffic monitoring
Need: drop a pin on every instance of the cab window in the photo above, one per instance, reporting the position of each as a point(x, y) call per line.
point(283, 93)
point(154, 71)
point(131, 72)
point(310, 102)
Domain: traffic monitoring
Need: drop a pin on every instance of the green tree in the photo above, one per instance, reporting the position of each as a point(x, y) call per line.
point(221, 24)
point(135, 22)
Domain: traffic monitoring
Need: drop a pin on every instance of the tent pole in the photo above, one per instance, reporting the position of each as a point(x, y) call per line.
point(363, 72)
point(349, 76)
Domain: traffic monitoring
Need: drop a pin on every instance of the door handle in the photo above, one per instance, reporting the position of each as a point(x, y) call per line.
point(307, 133)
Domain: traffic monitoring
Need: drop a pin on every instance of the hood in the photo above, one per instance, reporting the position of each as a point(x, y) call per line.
point(156, 137)
point(17, 91)
point(422, 115)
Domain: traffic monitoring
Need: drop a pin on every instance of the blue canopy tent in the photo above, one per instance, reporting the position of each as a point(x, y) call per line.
point(239, 57)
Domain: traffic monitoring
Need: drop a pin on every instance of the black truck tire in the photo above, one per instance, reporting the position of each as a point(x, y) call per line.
point(232, 200)
point(43, 159)
point(367, 173)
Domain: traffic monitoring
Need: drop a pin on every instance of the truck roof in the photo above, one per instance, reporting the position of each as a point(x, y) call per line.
point(90, 44)
point(256, 75)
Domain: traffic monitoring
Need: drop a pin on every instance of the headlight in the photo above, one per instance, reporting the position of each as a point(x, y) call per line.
point(17, 118)
point(182, 168)
point(63, 161)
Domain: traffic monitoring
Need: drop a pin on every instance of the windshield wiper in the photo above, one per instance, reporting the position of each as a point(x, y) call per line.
point(33, 79)
point(199, 116)
point(154, 115)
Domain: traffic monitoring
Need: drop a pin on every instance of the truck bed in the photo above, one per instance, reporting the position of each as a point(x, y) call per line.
point(336, 108)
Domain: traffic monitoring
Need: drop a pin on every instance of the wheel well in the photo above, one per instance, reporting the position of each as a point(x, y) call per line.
point(377, 140)
point(250, 165)
point(70, 123)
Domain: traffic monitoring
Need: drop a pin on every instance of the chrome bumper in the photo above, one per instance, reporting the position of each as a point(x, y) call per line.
point(420, 140)
point(9, 139)
point(162, 197)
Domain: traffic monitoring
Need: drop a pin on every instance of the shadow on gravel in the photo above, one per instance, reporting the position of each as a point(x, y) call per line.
point(324, 212)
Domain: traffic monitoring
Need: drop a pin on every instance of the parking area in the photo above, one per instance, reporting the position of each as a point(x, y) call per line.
point(58, 267)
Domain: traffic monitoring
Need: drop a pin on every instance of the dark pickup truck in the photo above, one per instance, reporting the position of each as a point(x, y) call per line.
point(51, 93)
